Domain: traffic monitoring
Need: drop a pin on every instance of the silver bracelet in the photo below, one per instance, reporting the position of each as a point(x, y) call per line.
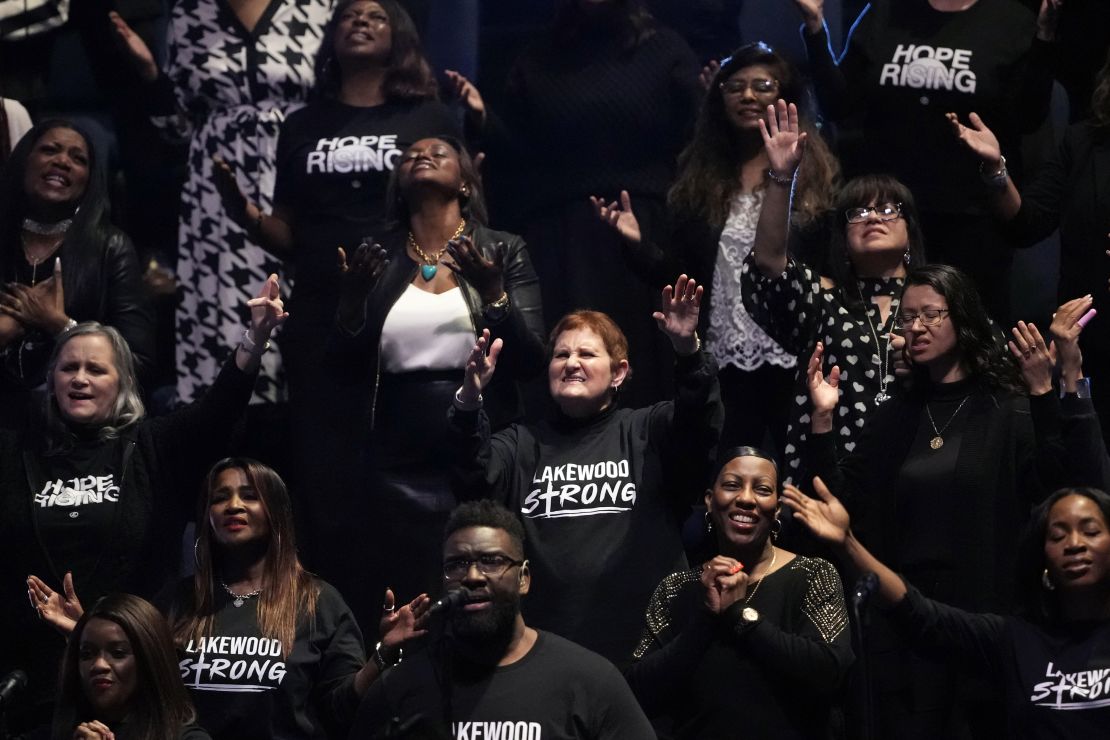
point(463, 406)
point(250, 346)
point(784, 181)
point(996, 180)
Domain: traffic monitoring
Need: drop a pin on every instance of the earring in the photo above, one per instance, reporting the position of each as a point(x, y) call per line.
point(906, 256)
point(708, 523)
point(776, 528)
point(1047, 582)
point(196, 557)
point(464, 191)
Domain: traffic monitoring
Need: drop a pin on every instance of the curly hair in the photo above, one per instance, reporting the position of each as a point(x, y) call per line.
point(707, 179)
point(408, 75)
point(485, 513)
point(982, 352)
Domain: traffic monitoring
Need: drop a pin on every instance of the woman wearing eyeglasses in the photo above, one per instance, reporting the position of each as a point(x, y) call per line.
point(850, 304)
point(944, 475)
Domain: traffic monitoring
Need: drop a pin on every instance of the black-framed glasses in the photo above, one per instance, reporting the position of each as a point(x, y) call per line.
point(927, 317)
point(885, 212)
point(759, 86)
point(491, 565)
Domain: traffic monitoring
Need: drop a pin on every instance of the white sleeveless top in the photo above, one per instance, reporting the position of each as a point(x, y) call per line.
point(425, 331)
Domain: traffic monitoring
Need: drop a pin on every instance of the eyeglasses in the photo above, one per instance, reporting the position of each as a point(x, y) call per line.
point(759, 86)
point(490, 565)
point(927, 317)
point(885, 212)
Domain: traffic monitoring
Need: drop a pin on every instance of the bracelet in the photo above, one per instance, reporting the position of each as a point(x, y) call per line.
point(463, 406)
point(995, 179)
point(697, 346)
point(381, 662)
point(784, 181)
point(65, 329)
point(251, 346)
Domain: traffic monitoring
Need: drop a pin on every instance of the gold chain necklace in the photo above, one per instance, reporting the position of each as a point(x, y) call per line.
point(774, 555)
point(938, 441)
point(428, 270)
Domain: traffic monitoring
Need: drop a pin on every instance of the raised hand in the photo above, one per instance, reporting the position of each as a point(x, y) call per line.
point(1034, 356)
point(1065, 331)
point(398, 626)
point(469, 95)
point(813, 13)
point(825, 516)
point(824, 393)
point(135, 47)
point(480, 366)
point(709, 73)
point(978, 138)
point(40, 306)
point(62, 610)
point(619, 217)
point(783, 139)
point(1048, 18)
point(487, 276)
point(267, 310)
point(724, 582)
point(678, 317)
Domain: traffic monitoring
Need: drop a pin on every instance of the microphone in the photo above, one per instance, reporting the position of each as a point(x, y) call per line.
point(11, 685)
point(865, 588)
point(448, 602)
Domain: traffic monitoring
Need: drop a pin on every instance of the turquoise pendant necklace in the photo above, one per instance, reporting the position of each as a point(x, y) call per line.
point(431, 264)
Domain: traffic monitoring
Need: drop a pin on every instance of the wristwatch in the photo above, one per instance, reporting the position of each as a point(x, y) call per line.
point(996, 180)
point(497, 311)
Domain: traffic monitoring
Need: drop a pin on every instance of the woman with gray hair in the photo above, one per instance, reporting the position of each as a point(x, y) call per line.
point(99, 493)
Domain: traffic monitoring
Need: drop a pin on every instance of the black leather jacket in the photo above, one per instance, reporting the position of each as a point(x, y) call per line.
point(524, 355)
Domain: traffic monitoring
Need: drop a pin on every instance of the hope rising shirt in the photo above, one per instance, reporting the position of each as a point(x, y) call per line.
point(244, 688)
point(602, 501)
point(907, 65)
point(557, 691)
point(333, 166)
point(1056, 681)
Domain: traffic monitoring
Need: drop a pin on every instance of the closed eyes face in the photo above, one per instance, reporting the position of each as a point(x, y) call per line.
point(580, 375)
point(927, 343)
point(744, 501)
point(746, 94)
point(364, 31)
point(430, 161)
point(1077, 544)
point(86, 381)
point(106, 667)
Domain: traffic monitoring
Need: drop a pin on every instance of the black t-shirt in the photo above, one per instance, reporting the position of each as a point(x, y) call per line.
point(76, 501)
point(243, 687)
point(558, 691)
point(333, 166)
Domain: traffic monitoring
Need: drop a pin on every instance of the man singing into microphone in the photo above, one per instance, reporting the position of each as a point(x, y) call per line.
point(488, 674)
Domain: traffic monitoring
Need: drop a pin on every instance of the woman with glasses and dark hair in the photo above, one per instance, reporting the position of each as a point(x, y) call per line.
point(120, 677)
point(410, 309)
point(981, 431)
point(848, 304)
point(713, 209)
point(756, 621)
point(99, 493)
point(61, 261)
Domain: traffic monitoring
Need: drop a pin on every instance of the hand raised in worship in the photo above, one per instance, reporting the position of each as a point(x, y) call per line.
point(783, 139)
point(61, 610)
point(1034, 356)
point(619, 216)
point(267, 310)
point(357, 279)
point(979, 139)
point(399, 625)
point(824, 390)
point(468, 94)
point(813, 14)
point(825, 516)
point(678, 315)
point(40, 306)
point(135, 48)
point(467, 261)
point(725, 583)
point(1065, 330)
point(708, 74)
point(480, 366)
point(1048, 18)
point(93, 730)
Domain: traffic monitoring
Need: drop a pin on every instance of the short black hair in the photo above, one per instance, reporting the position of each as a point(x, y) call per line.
point(485, 513)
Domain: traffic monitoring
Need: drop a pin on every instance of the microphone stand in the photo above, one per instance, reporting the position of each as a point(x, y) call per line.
point(861, 596)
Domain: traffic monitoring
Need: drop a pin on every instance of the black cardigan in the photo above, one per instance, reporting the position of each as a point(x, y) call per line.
point(1014, 451)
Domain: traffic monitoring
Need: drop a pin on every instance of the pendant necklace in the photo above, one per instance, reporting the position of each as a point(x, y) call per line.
point(35, 261)
point(884, 352)
point(428, 270)
point(938, 441)
point(240, 599)
point(774, 555)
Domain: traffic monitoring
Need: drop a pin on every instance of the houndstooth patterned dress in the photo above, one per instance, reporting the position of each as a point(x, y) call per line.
point(234, 88)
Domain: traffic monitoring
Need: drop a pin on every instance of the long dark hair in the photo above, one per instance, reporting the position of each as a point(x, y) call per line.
point(982, 351)
point(289, 592)
point(408, 75)
point(473, 204)
point(707, 177)
point(160, 706)
point(80, 250)
point(861, 191)
point(1035, 602)
point(630, 20)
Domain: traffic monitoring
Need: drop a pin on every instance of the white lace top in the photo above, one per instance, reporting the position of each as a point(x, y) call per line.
point(734, 338)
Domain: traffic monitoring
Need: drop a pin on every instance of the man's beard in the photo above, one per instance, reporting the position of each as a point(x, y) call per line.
point(486, 633)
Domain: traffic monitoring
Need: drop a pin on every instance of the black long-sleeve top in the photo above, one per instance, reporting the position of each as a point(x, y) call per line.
point(787, 666)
